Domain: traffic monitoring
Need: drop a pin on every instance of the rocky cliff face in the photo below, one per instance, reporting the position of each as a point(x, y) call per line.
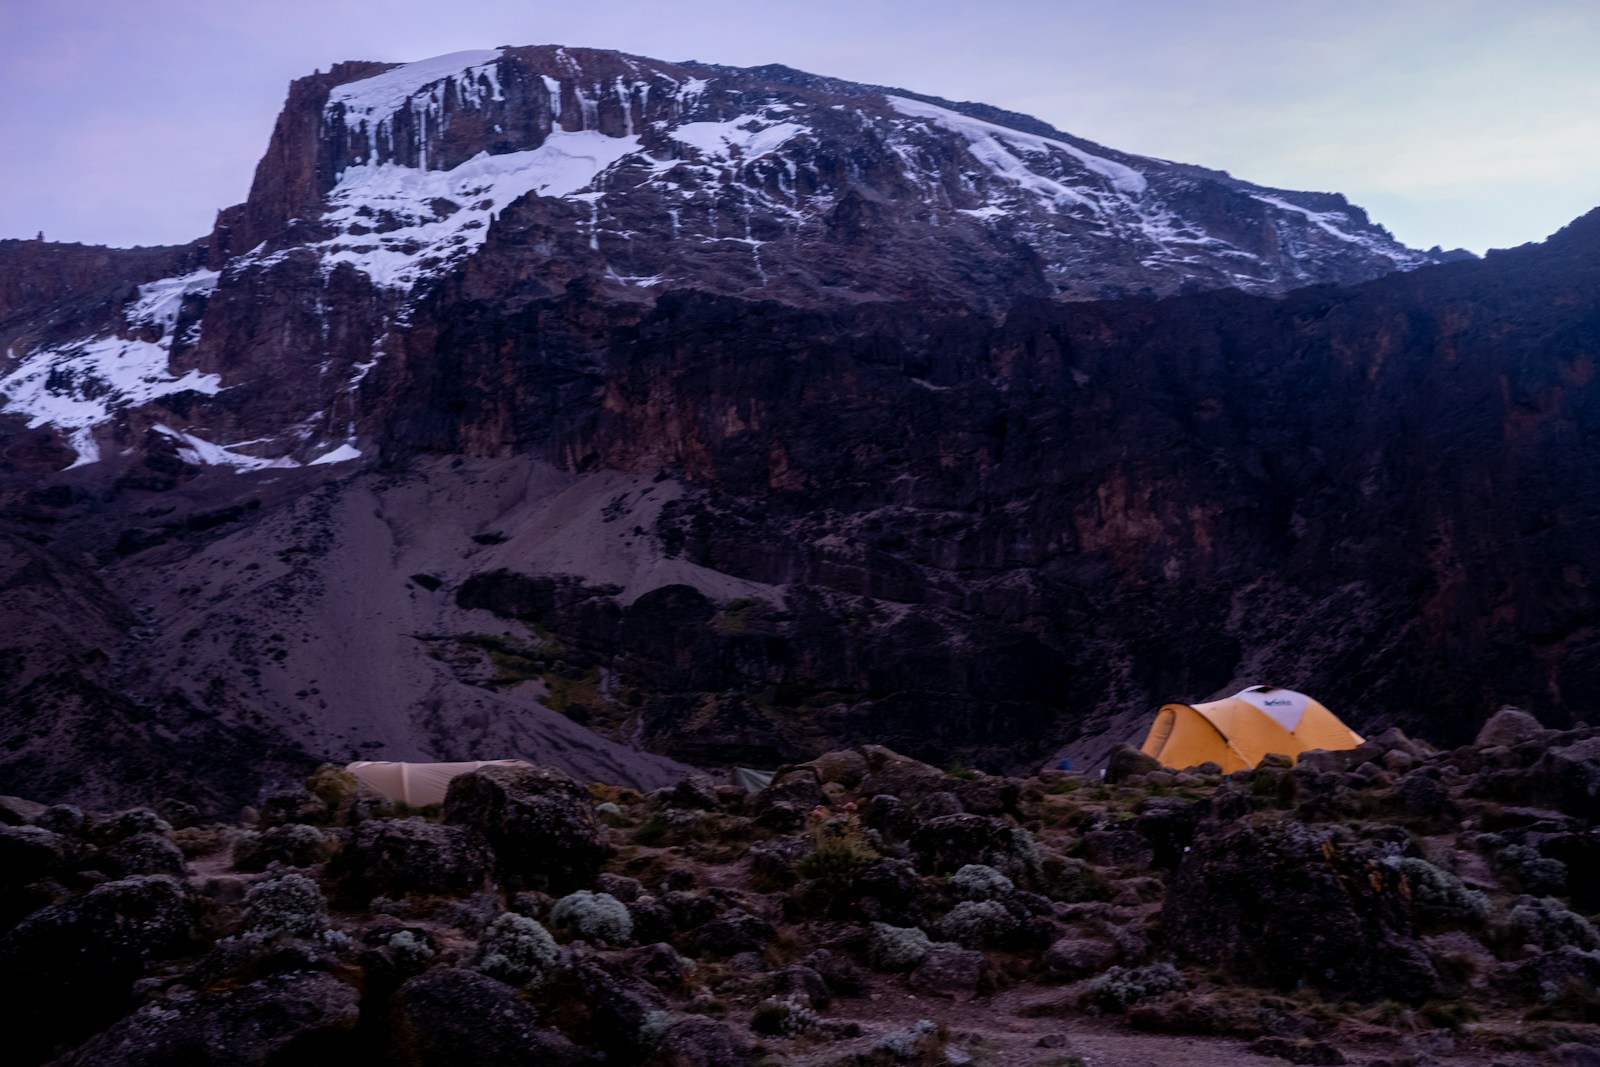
point(513, 173)
point(556, 403)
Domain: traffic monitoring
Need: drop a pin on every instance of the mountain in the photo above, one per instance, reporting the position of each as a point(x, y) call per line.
point(404, 461)
point(516, 172)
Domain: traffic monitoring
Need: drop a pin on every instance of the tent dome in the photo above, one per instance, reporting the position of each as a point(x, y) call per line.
point(1237, 731)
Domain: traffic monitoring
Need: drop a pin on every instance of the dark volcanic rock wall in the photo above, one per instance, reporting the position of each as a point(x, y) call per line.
point(1383, 495)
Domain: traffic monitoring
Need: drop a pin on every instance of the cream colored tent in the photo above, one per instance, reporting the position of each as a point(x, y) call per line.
point(1237, 731)
point(418, 784)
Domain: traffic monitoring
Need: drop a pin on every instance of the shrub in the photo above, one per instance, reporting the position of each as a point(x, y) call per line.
point(409, 950)
point(1439, 897)
point(291, 905)
point(783, 1017)
point(518, 951)
point(897, 948)
point(594, 917)
point(1122, 986)
point(1534, 872)
point(922, 1042)
point(1543, 921)
point(978, 882)
point(841, 854)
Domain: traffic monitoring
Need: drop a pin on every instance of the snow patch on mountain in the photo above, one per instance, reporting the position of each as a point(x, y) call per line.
point(744, 138)
point(399, 224)
point(77, 386)
point(369, 106)
point(1007, 152)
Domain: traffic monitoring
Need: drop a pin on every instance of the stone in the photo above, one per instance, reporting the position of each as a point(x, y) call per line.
point(700, 1042)
point(145, 854)
point(540, 824)
point(1316, 1053)
point(1078, 957)
point(1568, 778)
point(245, 1027)
point(450, 1015)
point(1126, 761)
point(1509, 726)
point(87, 953)
point(732, 932)
point(15, 811)
point(846, 767)
point(696, 792)
point(1283, 903)
point(949, 970)
point(950, 842)
point(393, 857)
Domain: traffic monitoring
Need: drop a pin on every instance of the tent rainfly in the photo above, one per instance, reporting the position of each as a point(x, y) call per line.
point(1237, 731)
point(418, 784)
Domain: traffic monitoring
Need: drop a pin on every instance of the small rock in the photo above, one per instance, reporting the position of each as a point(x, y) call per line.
point(949, 970)
point(1126, 761)
point(1509, 726)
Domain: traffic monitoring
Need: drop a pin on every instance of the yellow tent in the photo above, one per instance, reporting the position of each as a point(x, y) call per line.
point(1237, 731)
point(417, 784)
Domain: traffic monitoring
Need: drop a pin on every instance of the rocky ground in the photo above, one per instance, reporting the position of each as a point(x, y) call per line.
point(1389, 905)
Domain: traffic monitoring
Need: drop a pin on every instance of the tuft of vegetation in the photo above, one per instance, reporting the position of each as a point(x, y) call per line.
point(594, 917)
point(518, 951)
point(976, 881)
point(1545, 922)
point(1439, 898)
point(897, 948)
point(1122, 986)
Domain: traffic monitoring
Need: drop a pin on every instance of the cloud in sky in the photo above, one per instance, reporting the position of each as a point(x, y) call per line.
point(1455, 122)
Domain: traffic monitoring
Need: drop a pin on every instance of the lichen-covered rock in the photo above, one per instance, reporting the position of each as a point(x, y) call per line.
point(290, 905)
point(794, 790)
point(449, 1016)
point(950, 842)
point(540, 823)
point(27, 854)
point(1075, 957)
point(696, 792)
point(619, 1004)
point(976, 881)
point(247, 1027)
point(888, 772)
point(732, 932)
point(697, 1042)
point(1121, 986)
point(292, 804)
point(949, 970)
point(1509, 726)
point(145, 853)
point(393, 857)
point(87, 953)
point(1568, 779)
point(295, 844)
point(982, 924)
point(1126, 761)
point(1284, 903)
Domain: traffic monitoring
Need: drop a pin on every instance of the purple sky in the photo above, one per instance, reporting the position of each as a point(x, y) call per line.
point(1456, 122)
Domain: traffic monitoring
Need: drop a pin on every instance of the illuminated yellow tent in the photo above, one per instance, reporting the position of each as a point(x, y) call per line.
point(417, 784)
point(1237, 731)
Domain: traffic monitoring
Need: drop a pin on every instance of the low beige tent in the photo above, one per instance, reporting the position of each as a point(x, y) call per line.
point(418, 784)
point(1237, 731)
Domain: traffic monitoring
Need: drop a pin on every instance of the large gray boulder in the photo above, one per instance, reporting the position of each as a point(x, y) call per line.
point(393, 857)
point(540, 823)
point(244, 1027)
point(451, 1015)
point(1283, 904)
point(1509, 727)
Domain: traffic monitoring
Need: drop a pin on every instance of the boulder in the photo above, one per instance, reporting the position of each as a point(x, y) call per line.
point(794, 791)
point(539, 822)
point(950, 842)
point(619, 1003)
point(890, 772)
point(696, 792)
point(732, 932)
point(1283, 903)
point(1078, 957)
point(1126, 761)
point(16, 811)
point(87, 953)
point(393, 857)
point(1569, 779)
point(262, 1022)
point(846, 767)
point(451, 1015)
point(949, 970)
point(1509, 727)
point(699, 1042)
point(145, 854)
